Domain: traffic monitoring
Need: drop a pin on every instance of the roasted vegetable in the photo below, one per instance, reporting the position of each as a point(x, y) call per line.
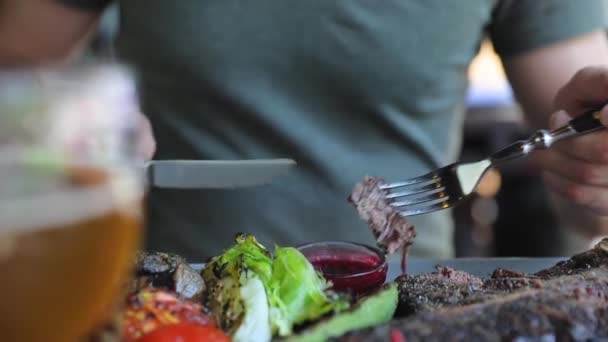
point(236, 294)
point(185, 332)
point(169, 272)
point(149, 309)
point(254, 296)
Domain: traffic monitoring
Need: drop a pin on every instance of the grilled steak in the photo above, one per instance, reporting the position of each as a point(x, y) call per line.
point(574, 309)
point(567, 302)
point(596, 257)
point(447, 287)
point(170, 272)
point(391, 230)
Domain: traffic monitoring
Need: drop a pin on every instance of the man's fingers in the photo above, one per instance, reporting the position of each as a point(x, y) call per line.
point(559, 119)
point(587, 89)
point(578, 171)
point(592, 148)
point(604, 116)
point(592, 197)
point(146, 141)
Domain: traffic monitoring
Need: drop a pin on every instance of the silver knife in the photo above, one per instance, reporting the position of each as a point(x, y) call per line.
point(215, 174)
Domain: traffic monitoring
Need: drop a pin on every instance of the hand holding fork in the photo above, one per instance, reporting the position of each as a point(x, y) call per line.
point(446, 187)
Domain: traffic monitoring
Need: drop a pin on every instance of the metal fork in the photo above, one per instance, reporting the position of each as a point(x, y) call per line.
point(446, 187)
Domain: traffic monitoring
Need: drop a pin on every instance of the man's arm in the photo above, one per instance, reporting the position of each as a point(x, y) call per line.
point(36, 32)
point(546, 80)
point(537, 76)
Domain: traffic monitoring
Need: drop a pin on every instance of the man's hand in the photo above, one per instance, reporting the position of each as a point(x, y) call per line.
point(577, 169)
point(146, 141)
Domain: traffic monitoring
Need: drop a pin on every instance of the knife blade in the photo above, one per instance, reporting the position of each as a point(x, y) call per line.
point(215, 174)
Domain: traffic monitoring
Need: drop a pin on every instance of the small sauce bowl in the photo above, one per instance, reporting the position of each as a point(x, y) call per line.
point(351, 267)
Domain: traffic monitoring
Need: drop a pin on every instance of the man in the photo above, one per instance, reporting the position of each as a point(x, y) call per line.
point(347, 88)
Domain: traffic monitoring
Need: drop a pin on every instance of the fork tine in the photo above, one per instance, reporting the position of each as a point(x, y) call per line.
point(430, 208)
point(412, 181)
point(437, 195)
point(435, 186)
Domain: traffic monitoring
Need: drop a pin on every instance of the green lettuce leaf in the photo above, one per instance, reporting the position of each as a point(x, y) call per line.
point(294, 292)
point(297, 293)
point(253, 255)
point(255, 325)
point(233, 294)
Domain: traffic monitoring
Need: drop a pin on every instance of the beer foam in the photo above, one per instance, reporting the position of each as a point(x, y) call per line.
point(69, 205)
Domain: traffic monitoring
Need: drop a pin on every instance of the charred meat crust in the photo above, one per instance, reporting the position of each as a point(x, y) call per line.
point(596, 257)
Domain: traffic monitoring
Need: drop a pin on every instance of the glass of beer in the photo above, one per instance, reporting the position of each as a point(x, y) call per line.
point(70, 200)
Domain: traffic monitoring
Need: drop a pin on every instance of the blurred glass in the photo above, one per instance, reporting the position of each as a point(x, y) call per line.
point(70, 199)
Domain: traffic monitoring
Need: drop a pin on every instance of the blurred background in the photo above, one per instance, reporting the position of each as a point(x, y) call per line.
point(512, 203)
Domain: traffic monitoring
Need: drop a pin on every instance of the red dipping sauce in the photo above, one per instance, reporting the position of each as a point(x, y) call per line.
point(351, 267)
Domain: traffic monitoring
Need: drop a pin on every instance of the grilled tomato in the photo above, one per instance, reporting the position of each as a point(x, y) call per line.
point(150, 309)
point(185, 332)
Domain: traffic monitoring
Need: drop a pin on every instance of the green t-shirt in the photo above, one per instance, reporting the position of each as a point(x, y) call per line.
point(348, 88)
